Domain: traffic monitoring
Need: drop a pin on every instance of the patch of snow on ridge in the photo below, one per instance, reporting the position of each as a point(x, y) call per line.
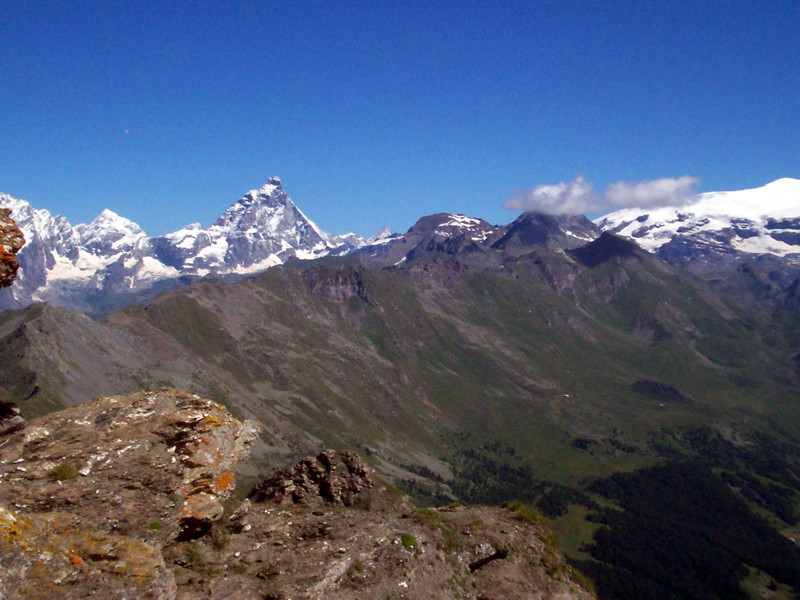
point(476, 229)
point(461, 221)
point(579, 236)
point(151, 269)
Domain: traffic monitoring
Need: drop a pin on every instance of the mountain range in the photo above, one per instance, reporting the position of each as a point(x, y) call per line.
point(546, 360)
point(111, 261)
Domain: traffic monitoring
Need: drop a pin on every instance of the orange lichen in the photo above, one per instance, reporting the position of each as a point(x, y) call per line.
point(224, 481)
point(77, 560)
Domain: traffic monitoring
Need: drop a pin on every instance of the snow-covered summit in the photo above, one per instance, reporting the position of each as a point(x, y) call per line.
point(110, 233)
point(764, 220)
point(475, 229)
point(258, 207)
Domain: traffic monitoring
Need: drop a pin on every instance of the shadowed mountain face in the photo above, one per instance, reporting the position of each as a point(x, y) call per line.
point(550, 232)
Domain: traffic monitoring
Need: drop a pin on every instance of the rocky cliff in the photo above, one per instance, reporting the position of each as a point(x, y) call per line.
point(131, 497)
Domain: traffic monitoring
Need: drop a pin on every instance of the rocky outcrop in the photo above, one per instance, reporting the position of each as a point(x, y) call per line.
point(334, 478)
point(121, 476)
point(122, 497)
point(11, 241)
point(335, 553)
point(11, 419)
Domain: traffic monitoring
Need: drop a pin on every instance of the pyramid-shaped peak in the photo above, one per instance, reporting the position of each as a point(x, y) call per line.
point(547, 231)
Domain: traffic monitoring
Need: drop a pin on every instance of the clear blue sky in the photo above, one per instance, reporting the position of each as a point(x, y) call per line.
point(377, 113)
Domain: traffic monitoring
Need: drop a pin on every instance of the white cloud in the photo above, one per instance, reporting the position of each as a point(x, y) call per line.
point(576, 197)
point(652, 194)
point(579, 196)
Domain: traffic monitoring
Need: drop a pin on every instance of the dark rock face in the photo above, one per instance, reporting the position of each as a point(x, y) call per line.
point(605, 248)
point(548, 232)
point(11, 241)
point(335, 478)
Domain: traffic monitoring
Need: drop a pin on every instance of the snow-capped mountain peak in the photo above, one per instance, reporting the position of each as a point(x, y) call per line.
point(97, 262)
point(384, 234)
point(764, 220)
point(258, 207)
point(447, 225)
point(109, 232)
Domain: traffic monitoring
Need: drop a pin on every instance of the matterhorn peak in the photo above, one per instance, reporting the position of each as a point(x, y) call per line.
point(110, 260)
point(258, 207)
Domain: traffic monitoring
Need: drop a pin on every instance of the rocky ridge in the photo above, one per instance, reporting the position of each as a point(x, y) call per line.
point(11, 242)
point(123, 497)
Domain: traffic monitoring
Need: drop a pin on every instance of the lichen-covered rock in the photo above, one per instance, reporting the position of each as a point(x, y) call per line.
point(115, 479)
point(11, 241)
point(53, 555)
point(338, 478)
point(128, 462)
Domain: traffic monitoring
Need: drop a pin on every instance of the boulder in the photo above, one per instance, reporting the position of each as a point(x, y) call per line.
point(10, 418)
point(332, 478)
point(100, 488)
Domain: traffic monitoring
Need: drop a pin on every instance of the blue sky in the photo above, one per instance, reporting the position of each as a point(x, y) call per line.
point(377, 113)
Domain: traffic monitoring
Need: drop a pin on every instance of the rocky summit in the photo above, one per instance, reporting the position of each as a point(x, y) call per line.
point(132, 497)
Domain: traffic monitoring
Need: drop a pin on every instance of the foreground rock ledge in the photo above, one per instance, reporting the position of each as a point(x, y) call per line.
point(89, 495)
point(122, 498)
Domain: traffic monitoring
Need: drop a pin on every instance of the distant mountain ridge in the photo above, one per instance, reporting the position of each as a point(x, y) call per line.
point(111, 261)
